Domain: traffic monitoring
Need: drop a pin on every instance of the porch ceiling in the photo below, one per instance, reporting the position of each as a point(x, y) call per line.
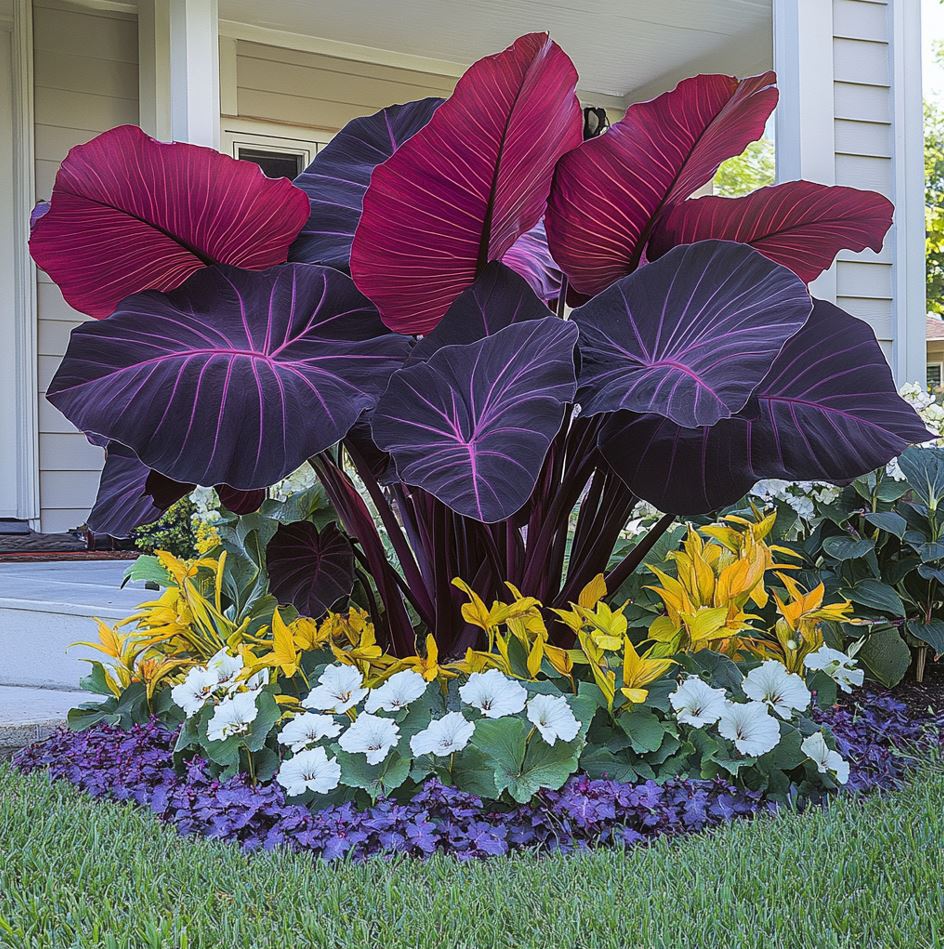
point(630, 48)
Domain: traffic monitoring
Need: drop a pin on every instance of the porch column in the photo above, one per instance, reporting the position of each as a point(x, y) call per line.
point(179, 59)
point(850, 113)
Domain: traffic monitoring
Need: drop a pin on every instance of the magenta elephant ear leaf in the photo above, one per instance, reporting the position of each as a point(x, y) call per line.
point(310, 569)
point(240, 502)
point(336, 180)
point(530, 257)
point(827, 410)
point(690, 336)
point(129, 213)
point(799, 224)
point(608, 193)
point(235, 378)
point(463, 189)
point(130, 494)
point(472, 425)
point(498, 298)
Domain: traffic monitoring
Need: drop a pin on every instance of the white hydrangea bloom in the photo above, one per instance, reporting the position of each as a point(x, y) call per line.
point(837, 665)
point(339, 688)
point(493, 694)
point(826, 760)
point(443, 736)
point(399, 691)
point(553, 718)
point(750, 726)
point(232, 716)
point(696, 703)
point(299, 480)
point(195, 691)
point(306, 729)
point(372, 736)
point(227, 668)
point(770, 683)
point(309, 770)
point(206, 504)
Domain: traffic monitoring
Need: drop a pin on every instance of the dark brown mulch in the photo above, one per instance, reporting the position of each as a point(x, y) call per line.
point(921, 697)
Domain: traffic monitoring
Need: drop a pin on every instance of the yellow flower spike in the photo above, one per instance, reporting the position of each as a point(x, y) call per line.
point(110, 641)
point(475, 611)
point(640, 671)
point(592, 593)
point(427, 666)
point(306, 633)
point(284, 655)
point(561, 660)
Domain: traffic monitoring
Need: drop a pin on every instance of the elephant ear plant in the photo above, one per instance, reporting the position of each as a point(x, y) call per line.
point(396, 319)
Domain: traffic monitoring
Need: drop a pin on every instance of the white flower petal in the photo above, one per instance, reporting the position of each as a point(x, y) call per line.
point(696, 703)
point(232, 716)
point(750, 726)
point(443, 736)
point(371, 736)
point(306, 729)
point(770, 683)
point(309, 770)
point(553, 718)
point(398, 692)
point(340, 687)
point(195, 691)
point(493, 694)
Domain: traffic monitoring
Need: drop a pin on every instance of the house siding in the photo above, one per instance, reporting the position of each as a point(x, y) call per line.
point(86, 81)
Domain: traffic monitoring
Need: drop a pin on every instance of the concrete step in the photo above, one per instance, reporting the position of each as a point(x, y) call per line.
point(29, 714)
point(45, 607)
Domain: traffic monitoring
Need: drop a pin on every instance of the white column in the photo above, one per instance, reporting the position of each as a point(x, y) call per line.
point(180, 70)
point(804, 130)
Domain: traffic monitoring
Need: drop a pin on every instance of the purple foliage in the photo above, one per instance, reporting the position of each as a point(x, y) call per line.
point(137, 765)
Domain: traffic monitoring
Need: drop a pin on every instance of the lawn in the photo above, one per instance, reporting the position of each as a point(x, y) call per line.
point(76, 872)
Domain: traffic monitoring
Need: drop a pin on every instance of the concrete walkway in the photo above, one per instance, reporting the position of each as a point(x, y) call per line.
point(44, 609)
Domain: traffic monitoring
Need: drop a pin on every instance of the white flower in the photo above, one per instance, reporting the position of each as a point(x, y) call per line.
point(443, 736)
point(226, 668)
point(257, 680)
point(493, 694)
point(309, 770)
point(552, 717)
point(750, 726)
point(837, 665)
point(308, 728)
point(771, 684)
point(826, 760)
point(193, 693)
point(696, 703)
point(339, 688)
point(232, 716)
point(372, 736)
point(397, 692)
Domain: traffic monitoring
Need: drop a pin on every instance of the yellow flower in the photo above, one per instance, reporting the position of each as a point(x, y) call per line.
point(640, 671)
point(284, 653)
point(427, 666)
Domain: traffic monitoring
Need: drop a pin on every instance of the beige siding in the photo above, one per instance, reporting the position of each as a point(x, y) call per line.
point(312, 90)
point(864, 136)
point(86, 82)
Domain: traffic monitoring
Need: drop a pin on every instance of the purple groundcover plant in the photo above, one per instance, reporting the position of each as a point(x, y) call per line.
point(398, 312)
point(877, 735)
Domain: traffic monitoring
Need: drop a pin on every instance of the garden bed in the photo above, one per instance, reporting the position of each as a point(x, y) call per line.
point(879, 734)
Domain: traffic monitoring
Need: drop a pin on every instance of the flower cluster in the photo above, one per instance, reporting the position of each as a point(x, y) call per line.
point(876, 735)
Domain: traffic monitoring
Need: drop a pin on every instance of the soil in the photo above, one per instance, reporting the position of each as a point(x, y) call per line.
point(923, 698)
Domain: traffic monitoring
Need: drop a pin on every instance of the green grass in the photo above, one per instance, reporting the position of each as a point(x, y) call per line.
point(79, 873)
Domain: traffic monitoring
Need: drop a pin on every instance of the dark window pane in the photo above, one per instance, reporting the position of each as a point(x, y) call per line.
point(274, 164)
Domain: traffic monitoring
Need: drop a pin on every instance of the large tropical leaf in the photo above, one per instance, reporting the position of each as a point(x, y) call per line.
point(690, 336)
point(800, 224)
point(235, 378)
point(129, 495)
point(608, 192)
point(531, 258)
point(129, 213)
point(309, 569)
point(465, 187)
point(473, 423)
point(924, 469)
point(498, 298)
point(826, 411)
point(336, 180)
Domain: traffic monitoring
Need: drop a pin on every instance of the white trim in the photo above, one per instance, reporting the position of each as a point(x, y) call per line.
point(154, 68)
point(125, 10)
point(909, 349)
point(24, 190)
point(805, 135)
point(229, 86)
point(195, 71)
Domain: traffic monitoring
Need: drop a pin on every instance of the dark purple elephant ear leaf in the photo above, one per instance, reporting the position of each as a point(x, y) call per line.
point(689, 336)
point(608, 193)
point(127, 497)
point(308, 569)
point(799, 224)
point(240, 502)
point(826, 411)
point(473, 424)
point(465, 187)
point(530, 257)
point(498, 298)
point(336, 180)
point(129, 213)
point(235, 378)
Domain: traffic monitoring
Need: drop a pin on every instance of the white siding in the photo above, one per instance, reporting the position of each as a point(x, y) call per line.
point(864, 135)
point(86, 74)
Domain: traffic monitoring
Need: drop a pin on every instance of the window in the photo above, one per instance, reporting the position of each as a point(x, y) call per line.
point(935, 374)
point(281, 151)
point(275, 164)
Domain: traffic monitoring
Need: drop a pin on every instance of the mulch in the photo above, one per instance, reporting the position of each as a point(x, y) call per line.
point(922, 697)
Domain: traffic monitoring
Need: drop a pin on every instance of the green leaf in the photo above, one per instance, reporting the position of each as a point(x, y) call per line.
point(927, 572)
point(825, 688)
point(600, 762)
point(719, 670)
point(147, 569)
point(473, 773)
point(931, 633)
point(888, 521)
point(376, 779)
point(91, 713)
point(886, 655)
point(786, 755)
point(96, 681)
point(644, 729)
point(924, 469)
point(266, 717)
point(502, 741)
point(931, 551)
point(877, 596)
point(847, 548)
